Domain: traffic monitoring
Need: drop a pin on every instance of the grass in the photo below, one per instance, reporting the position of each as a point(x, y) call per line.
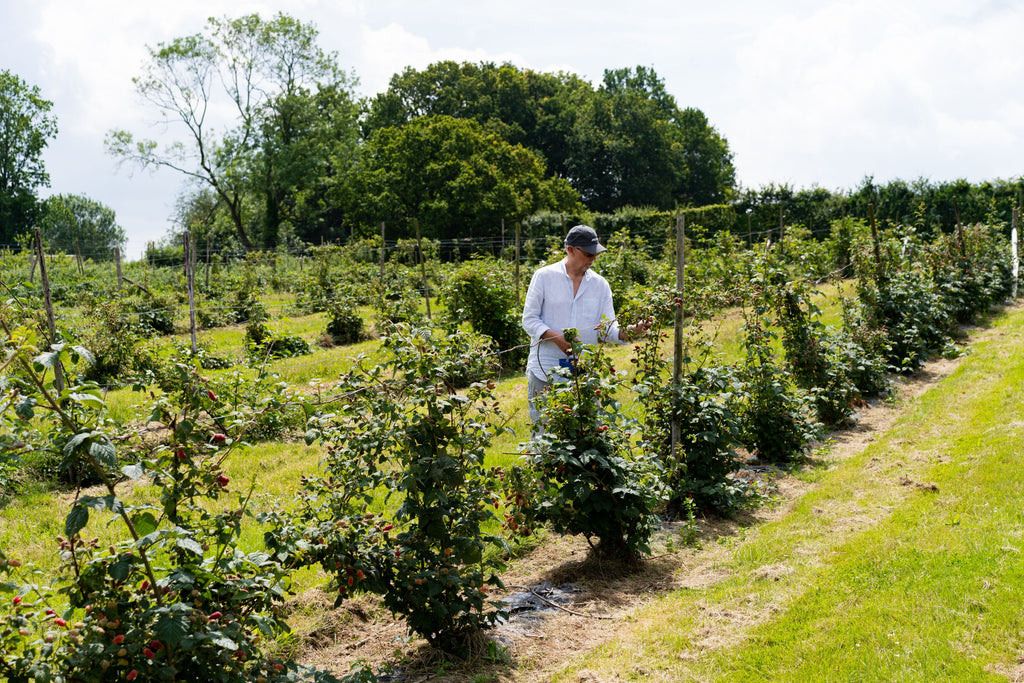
point(902, 563)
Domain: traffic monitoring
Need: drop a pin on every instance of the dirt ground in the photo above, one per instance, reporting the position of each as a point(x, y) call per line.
point(597, 598)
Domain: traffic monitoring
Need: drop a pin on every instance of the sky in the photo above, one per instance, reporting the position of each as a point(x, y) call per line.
point(806, 92)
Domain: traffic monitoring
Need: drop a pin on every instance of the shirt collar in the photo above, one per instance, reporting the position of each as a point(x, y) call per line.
point(565, 271)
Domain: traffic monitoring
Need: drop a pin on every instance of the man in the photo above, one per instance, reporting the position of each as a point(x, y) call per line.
point(563, 295)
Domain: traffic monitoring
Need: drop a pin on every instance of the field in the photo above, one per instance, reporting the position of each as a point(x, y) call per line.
point(882, 547)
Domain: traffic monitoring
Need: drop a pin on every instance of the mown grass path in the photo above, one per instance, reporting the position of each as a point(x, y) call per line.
point(902, 562)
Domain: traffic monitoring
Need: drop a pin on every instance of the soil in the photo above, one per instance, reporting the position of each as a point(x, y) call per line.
point(596, 597)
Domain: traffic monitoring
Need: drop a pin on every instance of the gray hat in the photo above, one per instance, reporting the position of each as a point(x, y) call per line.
point(583, 237)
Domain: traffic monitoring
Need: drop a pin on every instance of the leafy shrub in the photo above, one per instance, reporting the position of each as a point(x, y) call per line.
point(579, 474)
point(345, 325)
point(776, 426)
point(261, 343)
point(705, 406)
point(177, 600)
point(404, 430)
point(155, 315)
point(809, 351)
point(481, 293)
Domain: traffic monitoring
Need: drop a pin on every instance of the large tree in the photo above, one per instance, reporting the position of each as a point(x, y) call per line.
point(455, 177)
point(631, 145)
point(525, 107)
point(245, 72)
point(310, 144)
point(26, 126)
point(625, 143)
point(73, 223)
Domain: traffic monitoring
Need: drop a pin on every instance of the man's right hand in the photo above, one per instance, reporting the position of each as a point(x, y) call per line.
point(559, 339)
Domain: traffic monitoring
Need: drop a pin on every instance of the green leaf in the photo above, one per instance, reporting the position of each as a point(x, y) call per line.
point(120, 570)
point(225, 643)
point(24, 408)
point(76, 520)
point(133, 472)
point(105, 452)
point(47, 359)
point(74, 442)
point(85, 353)
point(145, 523)
point(170, 630)
point(190, 545)
point(89, 400)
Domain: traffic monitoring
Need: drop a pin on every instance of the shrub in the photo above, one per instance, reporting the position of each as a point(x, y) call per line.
point(177, 600)
point(345, 325)
point(405, 431)
point(705, 406)
point(579, 474)
point(812, 358)
point(481, 293)
point(776, 426)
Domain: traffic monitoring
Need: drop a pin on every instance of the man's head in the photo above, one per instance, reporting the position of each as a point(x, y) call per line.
point(584, 238)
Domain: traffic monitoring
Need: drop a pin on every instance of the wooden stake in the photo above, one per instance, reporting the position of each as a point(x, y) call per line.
point(58, 370)
point(879, 268)
point(207, 261)
point(382, 264)
point(677, 360)
point(519, 225)
point(189, 254)
point(1013, 243)
point(117, 266)
point(423, 266)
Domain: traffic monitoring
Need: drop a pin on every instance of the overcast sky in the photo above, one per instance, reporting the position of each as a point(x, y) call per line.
point(807, 92)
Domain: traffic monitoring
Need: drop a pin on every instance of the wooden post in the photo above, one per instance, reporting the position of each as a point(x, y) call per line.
point(58, 370)
point(519, 225)
point(502, 252)
point(750, 231)
point(782, 245)
point(207, 261)
point(189, 254)
point(32, 267)
point(423, 266)
point(117, 266)
point(1013, 243)
point(879, 268)
point(677, 360)
point(382, 265)
point(78, 259)
point(959, 231)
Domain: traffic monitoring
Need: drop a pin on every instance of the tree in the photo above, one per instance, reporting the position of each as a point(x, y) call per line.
point(73, 222)
point(26, 127)
point(525, 107)
point(631, 145)
point(626, 143)
point(310, 143)
point(453, 176)
point(249, 67)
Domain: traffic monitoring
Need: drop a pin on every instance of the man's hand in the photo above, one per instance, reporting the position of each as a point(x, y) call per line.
point(559, 339)
point(635, 330)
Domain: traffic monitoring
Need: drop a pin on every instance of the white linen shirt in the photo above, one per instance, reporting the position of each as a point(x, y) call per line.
point(550, 305)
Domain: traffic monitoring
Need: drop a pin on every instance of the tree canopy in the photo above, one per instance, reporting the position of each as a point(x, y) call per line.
point(454, 176)
point(26, 126)
point(74, 223)
point(263, 73)
point(625, 143)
